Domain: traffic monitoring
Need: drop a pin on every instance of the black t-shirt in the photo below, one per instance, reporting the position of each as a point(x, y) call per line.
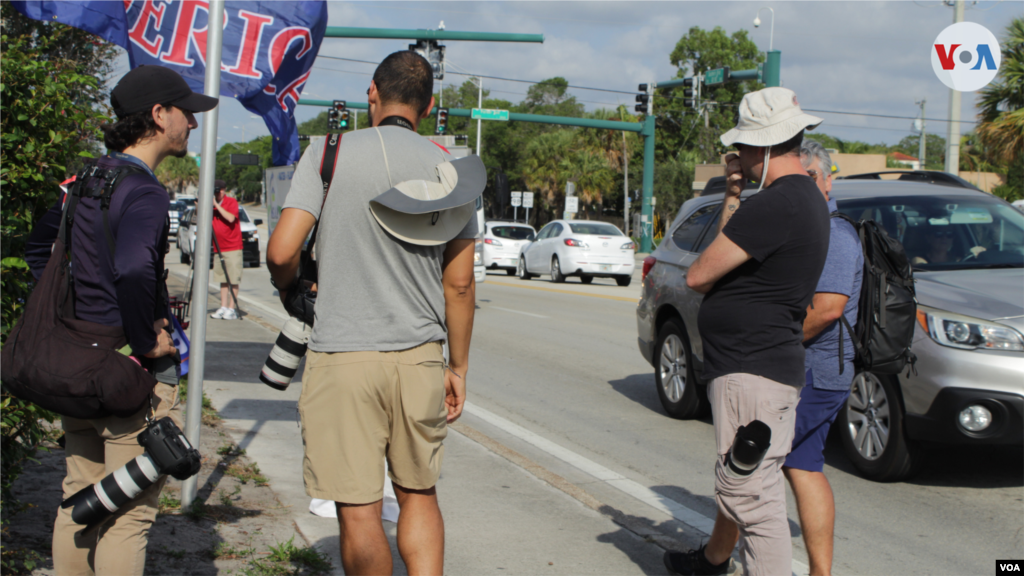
point(752, 319)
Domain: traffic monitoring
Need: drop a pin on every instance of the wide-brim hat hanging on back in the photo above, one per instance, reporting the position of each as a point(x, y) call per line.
point(433, 212)
point(769, 117)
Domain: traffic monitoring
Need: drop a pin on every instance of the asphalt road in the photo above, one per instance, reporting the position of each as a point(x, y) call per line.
point(555, 375)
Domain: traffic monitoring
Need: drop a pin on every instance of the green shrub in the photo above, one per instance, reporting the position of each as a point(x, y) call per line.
point(47, 121)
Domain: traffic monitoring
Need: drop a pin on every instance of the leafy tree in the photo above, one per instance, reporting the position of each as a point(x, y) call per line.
point(1002, 101)
point(934, 149)
point(177, 174)
point(245, 181)
point(695, 53)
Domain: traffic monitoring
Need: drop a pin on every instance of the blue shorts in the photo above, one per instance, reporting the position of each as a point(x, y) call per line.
point(815, 413)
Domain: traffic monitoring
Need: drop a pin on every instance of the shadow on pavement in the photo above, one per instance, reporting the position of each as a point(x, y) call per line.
point(641, 388)
point(260, 412)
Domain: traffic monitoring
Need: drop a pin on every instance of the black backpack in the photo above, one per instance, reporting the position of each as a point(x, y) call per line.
point(887, 309)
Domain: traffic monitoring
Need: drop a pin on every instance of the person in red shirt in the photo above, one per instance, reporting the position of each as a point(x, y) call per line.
point(228, 231)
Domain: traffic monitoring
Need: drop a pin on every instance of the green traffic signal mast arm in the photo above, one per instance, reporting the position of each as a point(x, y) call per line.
point(397, 34)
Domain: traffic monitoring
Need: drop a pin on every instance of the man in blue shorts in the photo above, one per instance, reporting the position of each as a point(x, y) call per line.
point(828, 377)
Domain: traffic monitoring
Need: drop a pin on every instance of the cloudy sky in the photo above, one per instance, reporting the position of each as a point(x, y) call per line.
point(858, 57)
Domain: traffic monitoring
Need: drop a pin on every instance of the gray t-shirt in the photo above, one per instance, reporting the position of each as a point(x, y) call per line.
point(375, 292)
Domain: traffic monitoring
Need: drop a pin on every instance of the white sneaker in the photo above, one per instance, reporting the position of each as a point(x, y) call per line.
point(229, 314)
point(219, 314)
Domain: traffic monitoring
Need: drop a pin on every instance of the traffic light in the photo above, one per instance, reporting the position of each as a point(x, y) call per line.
point(644, 103)
point(339, 114)
point(433, 53)
point(442, 121)
point(691, 92)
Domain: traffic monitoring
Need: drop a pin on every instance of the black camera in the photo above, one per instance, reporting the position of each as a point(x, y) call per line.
point(748, 449)
point(167, 452)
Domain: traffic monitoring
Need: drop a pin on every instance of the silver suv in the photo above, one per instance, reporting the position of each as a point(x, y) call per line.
point(968, 252)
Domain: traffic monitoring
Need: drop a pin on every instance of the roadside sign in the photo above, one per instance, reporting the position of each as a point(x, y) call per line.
point(716, 76)
point(516, 201)
point(245, 160)
point(489, 114)
point(572, 204)
point(570, 188)
point(527, 199)
point(516, 195)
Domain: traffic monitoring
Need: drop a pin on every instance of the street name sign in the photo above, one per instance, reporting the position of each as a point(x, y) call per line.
point(572, 204)
point(527, 199)
point(716, 76)
point(489, 114)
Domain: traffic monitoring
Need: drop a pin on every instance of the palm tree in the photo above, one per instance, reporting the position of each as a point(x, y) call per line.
point(1001, 126)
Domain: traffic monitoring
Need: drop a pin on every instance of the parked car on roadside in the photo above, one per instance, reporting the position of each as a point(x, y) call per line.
point(250, 237)
point(503, 241)
point(967, 386)
point(175, 211)
point(584, 248)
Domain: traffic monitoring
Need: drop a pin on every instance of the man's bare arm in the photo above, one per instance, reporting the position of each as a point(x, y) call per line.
point(285, 246)
point(224, 212)
point(720, 258)
point(825, 308)
point(459, 307)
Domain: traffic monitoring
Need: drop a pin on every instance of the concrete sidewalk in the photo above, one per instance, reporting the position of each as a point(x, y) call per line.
point(499, 518)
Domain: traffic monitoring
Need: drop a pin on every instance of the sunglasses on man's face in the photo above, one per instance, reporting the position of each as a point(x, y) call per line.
point(813, 174)
point(943, 234)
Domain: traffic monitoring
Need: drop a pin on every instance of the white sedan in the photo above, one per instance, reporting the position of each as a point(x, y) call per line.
point(583, 248)
point(503, 241)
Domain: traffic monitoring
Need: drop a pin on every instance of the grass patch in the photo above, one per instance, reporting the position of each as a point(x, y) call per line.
point(176, 554)
point(288, 559)
point(168, 503)
point(246, 472)
point(230, 450)
point(210, 415)
point(225, 498)
point(20, 561)
point(224, 551)
point(197, 511)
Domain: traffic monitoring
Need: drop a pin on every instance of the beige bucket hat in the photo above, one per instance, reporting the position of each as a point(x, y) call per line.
point(769, 117)
point(432, 212)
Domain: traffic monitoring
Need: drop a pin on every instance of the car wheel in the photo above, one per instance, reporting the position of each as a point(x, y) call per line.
point(673, 373)
point(623, 280)
point(185, 258)
point(871, 424)
point(586, 279)
point(521, 270)
point(556, 271)
point(510, 272)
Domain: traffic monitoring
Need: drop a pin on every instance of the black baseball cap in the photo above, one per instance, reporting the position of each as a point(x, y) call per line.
point(148, 85)
point(219, 184)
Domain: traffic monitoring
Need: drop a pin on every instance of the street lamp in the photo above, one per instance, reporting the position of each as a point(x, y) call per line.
point(757, 23)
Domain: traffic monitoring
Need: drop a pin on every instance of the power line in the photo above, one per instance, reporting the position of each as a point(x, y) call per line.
point(885, 116)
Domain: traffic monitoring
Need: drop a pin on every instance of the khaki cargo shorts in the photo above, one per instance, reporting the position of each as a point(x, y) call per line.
point(233, 261)
point(358, 408)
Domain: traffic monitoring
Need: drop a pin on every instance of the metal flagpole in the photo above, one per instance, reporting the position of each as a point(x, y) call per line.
point(201, 253)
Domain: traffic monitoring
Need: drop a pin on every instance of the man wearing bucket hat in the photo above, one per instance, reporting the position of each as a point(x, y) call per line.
point(759, 275)
point(395, 259)
point(155, 111)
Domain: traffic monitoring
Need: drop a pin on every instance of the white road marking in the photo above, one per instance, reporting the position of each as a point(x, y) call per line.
point(517, 312)
point(614, 479)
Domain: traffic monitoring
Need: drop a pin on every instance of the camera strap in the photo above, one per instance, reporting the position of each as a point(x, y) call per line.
point(327, 165)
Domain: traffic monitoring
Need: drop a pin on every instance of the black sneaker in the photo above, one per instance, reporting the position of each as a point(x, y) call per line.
point(693, 563)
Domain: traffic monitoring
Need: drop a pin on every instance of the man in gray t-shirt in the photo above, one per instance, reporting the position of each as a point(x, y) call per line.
point(394, 252)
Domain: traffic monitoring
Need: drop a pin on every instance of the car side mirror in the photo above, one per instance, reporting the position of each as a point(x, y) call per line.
point(258, 221)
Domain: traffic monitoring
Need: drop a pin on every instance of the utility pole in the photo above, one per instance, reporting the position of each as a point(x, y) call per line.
point(479, 104)
point(921, 146)
point(625, 178)
point(953, 135)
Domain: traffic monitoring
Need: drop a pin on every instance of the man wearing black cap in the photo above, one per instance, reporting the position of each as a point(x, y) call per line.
point(120, 282)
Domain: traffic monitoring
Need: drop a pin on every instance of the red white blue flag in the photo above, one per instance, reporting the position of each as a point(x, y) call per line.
point(268, 50)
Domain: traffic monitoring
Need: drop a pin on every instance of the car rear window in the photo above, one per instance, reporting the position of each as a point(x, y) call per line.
point(242, 215)
point(597, 228)
point(512, 232)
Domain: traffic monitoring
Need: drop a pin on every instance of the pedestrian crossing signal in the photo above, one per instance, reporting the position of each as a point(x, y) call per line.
point(442, 121)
